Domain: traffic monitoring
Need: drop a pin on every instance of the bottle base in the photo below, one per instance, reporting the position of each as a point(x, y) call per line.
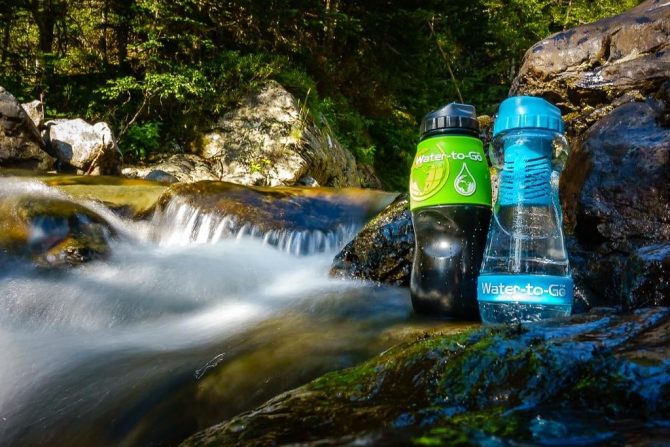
point(512, 312)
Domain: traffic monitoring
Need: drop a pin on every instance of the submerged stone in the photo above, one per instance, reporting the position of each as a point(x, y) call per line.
point(52, 231)
point(594, 378)
point(131, 198)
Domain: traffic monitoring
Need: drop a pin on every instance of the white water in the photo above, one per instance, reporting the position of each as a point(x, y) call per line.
point(79, 347)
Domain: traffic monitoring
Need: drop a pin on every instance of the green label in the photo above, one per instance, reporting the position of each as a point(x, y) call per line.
point(447, 170)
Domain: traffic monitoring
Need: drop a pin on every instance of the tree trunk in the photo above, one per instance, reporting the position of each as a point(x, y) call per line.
point(6, 33)
point(123, 10)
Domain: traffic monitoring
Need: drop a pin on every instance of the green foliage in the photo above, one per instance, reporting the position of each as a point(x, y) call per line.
point(371, 70)
point(141, 140)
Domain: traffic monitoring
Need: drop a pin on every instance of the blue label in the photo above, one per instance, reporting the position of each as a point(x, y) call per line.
point(535, 289)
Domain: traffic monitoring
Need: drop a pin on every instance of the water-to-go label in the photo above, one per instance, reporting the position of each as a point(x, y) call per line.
point(449, 169)
point(537, 289)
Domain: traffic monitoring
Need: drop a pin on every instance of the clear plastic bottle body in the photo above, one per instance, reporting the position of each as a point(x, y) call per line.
point(525, 274)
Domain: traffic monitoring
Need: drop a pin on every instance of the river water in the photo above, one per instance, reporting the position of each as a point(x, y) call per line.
point(182, 326)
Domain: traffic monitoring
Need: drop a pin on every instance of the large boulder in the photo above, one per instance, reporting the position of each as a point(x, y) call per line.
point(593, 379)
point(21, 145)
point(270, 140)
point(591, 69)
point(612, 79)
point(89, 149)
point(616, 199)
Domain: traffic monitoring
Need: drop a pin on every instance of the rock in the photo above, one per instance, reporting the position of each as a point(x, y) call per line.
point(90, 149)
point(51, 231)
point(128, 198)
point(186, 168)
point(589, 70)
point(159, 175)
point(271, 140)
point(299, 220)
point(612, 80)
point(616, 200)
point(647, 277)
point(597, 378)
point(21, 145)
point(35, 111)
point(277, 355)
point(383, 250)
point(368, 177)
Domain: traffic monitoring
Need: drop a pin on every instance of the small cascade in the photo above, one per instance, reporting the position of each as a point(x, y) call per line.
point(180, 224)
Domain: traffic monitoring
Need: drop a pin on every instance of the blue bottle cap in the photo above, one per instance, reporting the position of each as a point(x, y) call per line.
point(526, 112)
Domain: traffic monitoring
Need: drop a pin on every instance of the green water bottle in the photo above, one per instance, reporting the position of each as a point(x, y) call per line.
point(450, 200)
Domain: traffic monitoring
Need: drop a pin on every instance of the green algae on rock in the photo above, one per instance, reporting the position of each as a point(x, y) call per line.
point(133, 198)
point(536, 383)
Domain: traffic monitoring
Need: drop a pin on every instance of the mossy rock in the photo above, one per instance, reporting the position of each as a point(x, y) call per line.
point(280, 208)
point(52, 231)
point(277, 355)
point(131, 198)
point(597, 378)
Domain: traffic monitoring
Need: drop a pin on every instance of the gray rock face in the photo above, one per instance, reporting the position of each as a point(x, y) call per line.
point(185, 168)
point(90, 149)
point(21, 145)
point(35, 111)
point(616, 199)
point(271, 141)
point(591, 69)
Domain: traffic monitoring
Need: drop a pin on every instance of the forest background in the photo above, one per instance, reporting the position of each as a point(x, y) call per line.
point(160, 72)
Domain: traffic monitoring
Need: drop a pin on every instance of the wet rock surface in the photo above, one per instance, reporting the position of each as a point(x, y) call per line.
point(597, 378)
point(591, 69)
point(320, 218)
point(616, 200)
point(52, 231)
point(21, 145)
point(270, 140)
point(383, 250)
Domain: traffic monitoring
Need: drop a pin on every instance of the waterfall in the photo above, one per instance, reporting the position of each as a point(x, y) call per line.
point(181, 224)
point(87, 354)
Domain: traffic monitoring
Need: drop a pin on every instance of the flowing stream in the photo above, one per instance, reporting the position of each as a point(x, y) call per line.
point(183, 325)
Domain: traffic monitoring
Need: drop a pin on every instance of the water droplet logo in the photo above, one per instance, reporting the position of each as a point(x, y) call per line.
point(465, 183)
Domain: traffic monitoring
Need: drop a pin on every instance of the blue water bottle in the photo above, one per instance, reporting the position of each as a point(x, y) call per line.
point(525, 274)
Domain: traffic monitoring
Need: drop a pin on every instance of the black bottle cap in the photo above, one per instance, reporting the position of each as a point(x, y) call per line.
point(454, 118)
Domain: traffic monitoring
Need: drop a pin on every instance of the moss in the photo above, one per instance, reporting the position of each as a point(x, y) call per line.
point(479, 386)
